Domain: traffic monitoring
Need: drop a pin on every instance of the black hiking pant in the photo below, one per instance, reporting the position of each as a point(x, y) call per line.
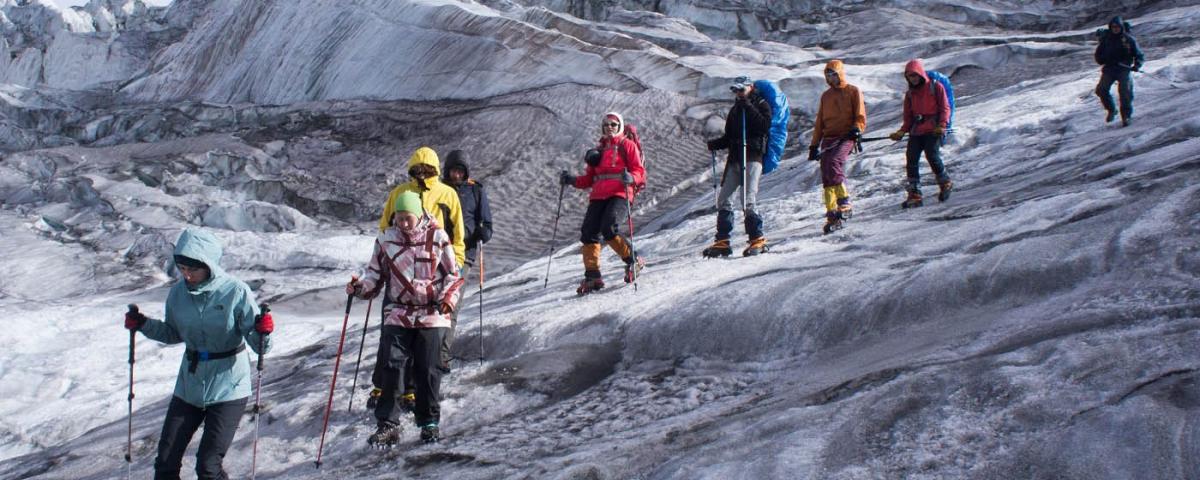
point(931, 146)
point(1124, 82)
point(602, 221)
point(397, 347)
point(220, 423)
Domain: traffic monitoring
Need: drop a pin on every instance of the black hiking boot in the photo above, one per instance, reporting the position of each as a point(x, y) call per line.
point(833, 222)
point(386, 435)
point(1108, 118)
point(589, 285)
point(719, 248)
point(845, 210)
point(1125, 121)
point(913, 200)
point(757, 246)
point(430, 433)
point(946, 187)
point(373, 397)
point(408, 401)
point(633, 269)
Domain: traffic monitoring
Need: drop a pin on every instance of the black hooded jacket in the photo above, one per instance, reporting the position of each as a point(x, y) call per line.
point(476, 212)
point(1119, 50)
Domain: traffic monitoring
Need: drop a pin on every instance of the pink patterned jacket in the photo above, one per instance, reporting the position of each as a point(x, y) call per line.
point(422, 275)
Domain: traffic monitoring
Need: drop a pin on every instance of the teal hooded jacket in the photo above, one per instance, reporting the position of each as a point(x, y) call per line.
point(214, 316)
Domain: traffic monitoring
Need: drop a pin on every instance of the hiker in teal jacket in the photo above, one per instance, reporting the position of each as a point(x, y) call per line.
point(215, 316)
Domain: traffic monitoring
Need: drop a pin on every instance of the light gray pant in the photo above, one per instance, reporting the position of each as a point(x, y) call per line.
point(729, 185)
point(733, 180)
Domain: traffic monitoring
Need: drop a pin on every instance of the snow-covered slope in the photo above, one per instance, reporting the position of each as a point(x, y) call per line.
point(1040, 324)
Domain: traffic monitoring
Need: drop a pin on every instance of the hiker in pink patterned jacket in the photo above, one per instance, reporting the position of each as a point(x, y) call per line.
point(423, 288)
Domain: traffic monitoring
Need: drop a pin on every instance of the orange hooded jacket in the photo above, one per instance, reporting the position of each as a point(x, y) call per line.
point(841, 109)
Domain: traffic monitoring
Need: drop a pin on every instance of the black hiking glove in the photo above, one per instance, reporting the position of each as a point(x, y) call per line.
point(565, 178)
point(713, 145)
point(854, 135)
point(626, 178)
point(814, 153)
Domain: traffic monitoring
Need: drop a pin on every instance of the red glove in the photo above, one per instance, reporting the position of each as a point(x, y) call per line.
point(446, 308)
point(134, 320)
point(264, 324)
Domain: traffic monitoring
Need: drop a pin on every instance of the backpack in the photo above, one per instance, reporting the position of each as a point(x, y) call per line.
point(631, 134)
point(945, 81)
point(777, 136)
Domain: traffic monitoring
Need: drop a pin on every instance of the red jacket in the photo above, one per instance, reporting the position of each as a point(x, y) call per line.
point(616, 155)
point(927, 100)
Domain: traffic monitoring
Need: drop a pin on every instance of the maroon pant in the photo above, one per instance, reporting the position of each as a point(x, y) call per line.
point(834, 152)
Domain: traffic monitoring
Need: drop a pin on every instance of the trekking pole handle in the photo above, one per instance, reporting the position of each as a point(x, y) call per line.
point(264, 308)
point(350, 298)
point(133, 308)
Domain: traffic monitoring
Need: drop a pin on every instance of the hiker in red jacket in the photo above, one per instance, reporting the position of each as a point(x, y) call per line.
point(926, 113)
point(615, 174)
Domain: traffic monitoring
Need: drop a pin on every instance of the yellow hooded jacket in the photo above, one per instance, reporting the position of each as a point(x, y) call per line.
point(841, 108)
point(439, 199)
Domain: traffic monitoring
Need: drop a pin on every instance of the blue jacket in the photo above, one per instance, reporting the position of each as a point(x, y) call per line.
point(215, 316)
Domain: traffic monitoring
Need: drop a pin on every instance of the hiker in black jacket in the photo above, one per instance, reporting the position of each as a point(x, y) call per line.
point(746, 130)
point(1119, 54)
point(476, 212)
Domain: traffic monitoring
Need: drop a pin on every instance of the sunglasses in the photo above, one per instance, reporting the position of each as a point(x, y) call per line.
point(831, 73)
point(611, 124)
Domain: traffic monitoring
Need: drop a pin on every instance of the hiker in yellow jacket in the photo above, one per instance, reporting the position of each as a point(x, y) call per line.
point(439, 199)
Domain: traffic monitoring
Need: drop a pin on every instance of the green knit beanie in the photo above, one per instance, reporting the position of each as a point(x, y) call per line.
point(409, 202)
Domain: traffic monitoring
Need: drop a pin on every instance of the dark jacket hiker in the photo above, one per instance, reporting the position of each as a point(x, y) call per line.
point(748, 124)
point(1119, 54)
point(472, 197)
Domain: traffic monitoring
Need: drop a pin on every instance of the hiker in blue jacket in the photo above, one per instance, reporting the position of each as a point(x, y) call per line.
point(215, 316)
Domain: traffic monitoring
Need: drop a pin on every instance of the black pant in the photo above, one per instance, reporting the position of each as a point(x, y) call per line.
point(603, 219)
point(220, 423)
point(931, 145)
point(1124, 82)
point(397, 346)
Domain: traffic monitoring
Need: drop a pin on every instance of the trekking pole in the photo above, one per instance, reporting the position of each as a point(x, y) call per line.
point(129, 438)
point(361, 342)
point(481, 303)
point(337, 363)
point(264, 310)
point(553, 236)
point(714, 175)
point(745, 194)
point(629, 221)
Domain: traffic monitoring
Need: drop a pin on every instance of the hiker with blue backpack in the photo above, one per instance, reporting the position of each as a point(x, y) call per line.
point(614, 174)
point(747, 128)
point(838, 127)
point(926, 117)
